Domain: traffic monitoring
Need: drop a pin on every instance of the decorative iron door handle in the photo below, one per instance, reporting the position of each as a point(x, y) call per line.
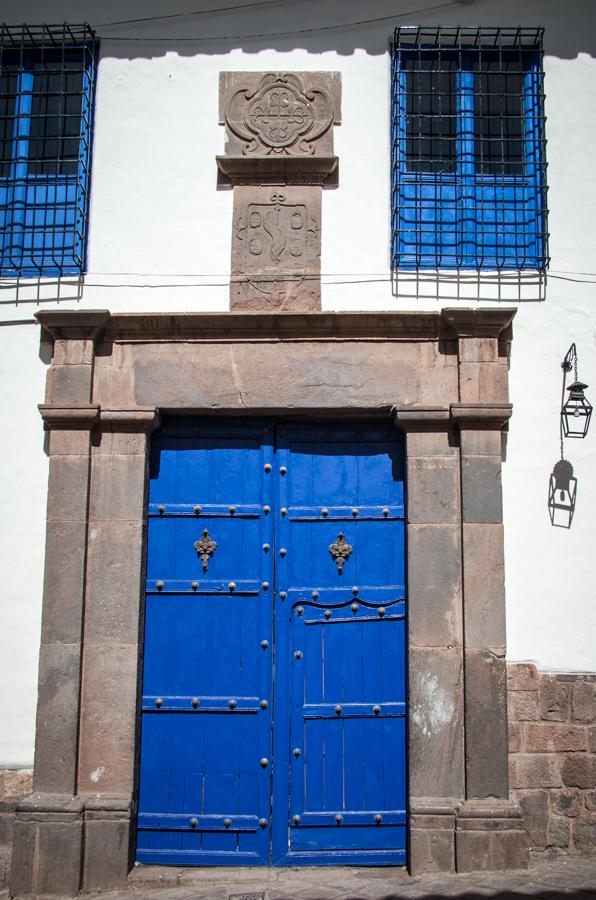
point(205, 547)
point(340, 551)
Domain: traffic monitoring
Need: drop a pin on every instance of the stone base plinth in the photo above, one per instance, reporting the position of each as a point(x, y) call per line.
point(490, 835)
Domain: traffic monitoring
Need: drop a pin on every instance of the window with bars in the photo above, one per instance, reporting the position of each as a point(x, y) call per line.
point(468, 160)
point(47, 77)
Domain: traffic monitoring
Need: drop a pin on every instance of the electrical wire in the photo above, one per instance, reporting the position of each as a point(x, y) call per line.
point(272, 34)
point(199, 12)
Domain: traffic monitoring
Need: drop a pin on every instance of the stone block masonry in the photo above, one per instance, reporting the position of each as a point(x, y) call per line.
point(552, 757)
point(14, 785)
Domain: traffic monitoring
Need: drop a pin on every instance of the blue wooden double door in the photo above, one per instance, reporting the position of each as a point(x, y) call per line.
point(274, 687)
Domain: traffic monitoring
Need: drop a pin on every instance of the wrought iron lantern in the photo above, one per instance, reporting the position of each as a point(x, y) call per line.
point(575, 411)
point(562, 491)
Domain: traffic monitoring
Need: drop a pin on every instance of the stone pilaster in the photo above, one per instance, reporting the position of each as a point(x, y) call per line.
point(489, 832)
point(436, 697)
point(50, 822)
point(113, 641)
point(47, 847)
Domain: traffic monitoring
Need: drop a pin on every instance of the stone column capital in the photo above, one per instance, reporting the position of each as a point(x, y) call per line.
point(421, 418)
point(69, 418)
point(474, 323)
point(488, 416)
point(73, 325)
point(134, 419)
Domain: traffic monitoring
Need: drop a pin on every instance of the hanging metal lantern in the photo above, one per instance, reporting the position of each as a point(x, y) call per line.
point(576, 412)
point(562, 491)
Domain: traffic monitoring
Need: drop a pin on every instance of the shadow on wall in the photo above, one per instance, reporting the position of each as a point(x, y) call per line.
point(142, 30)
point(505, 287)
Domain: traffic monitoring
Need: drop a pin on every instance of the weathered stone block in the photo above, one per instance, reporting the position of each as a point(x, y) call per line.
point(117, 488)
point(431, 443)
point(482, 499)
point(69, 442)
point(484, 586)
point(282, 374)
point(478, 349)
point(23, 857)
point(537, 738)
point(15, 782)
point(64, 578)
point(514, 732)
point(579, 770)
point(590, 798)
point(566, 803)
point(72, 352)
point(433, 490)
point(489, 851)
point(432, 850)
point(57, 719)
point(486, 725)
point(534, 770)
point(481, 442)
point(522, 677)
point(558, 833)
point(483, 382)
point(522, 706)
point(535, 810)
point(554, 699)
point(592, 738)
point(583, 703)
point(69, 385)
point(434, 584)
point(59, 858)
point(436, 723)
point(108, 718)
point(114, 564)
point(67, 488)
point(106, 856)
point(584, 832)
point(6, 826)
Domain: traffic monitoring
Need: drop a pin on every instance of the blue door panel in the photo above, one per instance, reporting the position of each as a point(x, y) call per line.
point(346, 704)
point(238, 765)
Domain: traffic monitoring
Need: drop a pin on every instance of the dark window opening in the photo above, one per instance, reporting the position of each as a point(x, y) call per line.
point(54, 139)
point(431, 126)
point(499, 116)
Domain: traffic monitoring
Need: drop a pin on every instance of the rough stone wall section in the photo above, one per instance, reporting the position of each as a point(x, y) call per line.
point(552, 754)
point(14, 785)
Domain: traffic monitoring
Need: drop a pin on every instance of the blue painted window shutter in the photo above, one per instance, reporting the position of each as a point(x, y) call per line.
point(47, 77)
point(468, 166)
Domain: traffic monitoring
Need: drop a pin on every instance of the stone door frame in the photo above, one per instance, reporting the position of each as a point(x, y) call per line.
point(442, 377)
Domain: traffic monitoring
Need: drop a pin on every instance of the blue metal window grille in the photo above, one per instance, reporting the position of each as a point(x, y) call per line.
point(47, 77)
point(468, 149)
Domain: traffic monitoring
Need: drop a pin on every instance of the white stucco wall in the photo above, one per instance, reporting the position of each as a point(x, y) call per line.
point(160, 240)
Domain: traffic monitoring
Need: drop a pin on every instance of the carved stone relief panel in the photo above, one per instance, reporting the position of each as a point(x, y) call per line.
point(279, 113)
point(276, 248)
point(279, 154)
